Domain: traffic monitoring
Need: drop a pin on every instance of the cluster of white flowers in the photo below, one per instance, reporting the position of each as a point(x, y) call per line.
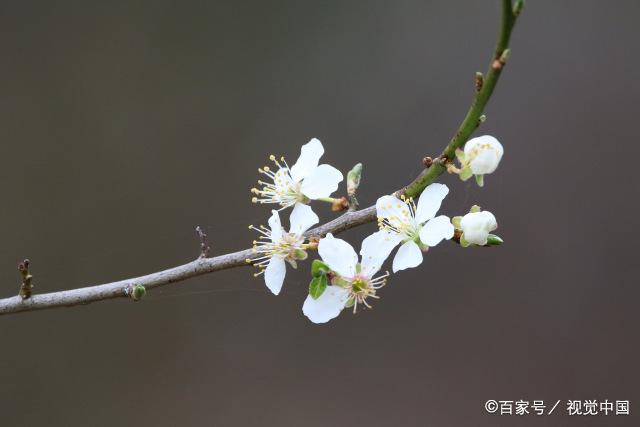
point(342, 280)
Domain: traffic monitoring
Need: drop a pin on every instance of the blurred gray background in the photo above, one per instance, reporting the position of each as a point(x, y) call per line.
point(123, 125)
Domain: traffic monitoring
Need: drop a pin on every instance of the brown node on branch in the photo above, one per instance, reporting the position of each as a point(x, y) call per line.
point(313, 243)
point(27, 284)
point(204, 246)
point(427, 161)
point(340, 204)
point(479, 81)
point(501, 59)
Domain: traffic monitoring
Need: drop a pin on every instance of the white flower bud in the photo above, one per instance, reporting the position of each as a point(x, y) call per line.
point(483, 154)
point(476, 227)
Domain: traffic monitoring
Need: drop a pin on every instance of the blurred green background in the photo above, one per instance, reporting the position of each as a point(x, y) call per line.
point(123, 125)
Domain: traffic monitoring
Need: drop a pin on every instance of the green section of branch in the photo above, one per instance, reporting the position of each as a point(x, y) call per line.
point(473, 117)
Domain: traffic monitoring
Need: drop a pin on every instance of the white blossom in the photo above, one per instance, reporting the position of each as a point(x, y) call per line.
point(416, 227)
point(300, 183)
point(483, 154)
point(275, 246)
point(476, 227)
point(353, 282)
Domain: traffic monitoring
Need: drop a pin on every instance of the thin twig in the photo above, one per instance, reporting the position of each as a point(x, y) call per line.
point(346, 221)
point(26, 286)
point(205, 249)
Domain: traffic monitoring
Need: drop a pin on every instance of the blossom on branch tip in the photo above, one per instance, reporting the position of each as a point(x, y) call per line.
point(275, 246)
point(300, 183)
point(352, 282)
point(416, 227)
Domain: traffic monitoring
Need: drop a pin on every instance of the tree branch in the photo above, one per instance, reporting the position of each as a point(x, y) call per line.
point(203, 265)
point(195, 268)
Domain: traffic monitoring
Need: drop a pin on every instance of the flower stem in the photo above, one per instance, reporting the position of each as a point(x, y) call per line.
point(327, 200)
point(473, 117)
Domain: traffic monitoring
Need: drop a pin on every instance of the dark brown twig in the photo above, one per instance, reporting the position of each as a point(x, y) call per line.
point(27, 280)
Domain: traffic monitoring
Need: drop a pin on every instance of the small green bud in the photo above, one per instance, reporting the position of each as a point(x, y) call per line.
point(319, 268)
point(463, 241)
point(137, 292)
point(505, 55)
point(317, 286)
point(474, 209)
point(480, 180)
point(493, 240)
point(456, 220)
point(517, 7)
point(353, 179)
point(300, 254)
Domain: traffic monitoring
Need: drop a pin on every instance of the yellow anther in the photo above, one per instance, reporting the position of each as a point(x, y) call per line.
point(272, 157)
point(254, 199)
point(266, 168)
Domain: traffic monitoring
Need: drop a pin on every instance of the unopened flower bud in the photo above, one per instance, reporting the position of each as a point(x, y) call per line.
point(483, 154)
point(353, 179)
point(476, 227)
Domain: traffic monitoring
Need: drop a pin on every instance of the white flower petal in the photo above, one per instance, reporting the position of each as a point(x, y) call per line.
point(275, 226)
point(375, 250)
point(302, 218)
point(436, 230)
point(321, 182)
point(310, 154)
point(274, 274)
point(328, 306)
point(408, 256)
point(393, 210)
point(476, 237)
point(430, 201)
point(339, 255)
